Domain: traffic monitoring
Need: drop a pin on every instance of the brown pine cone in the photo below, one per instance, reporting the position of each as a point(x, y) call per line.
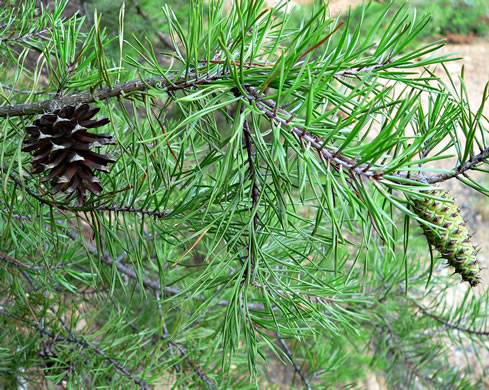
point(61, 145)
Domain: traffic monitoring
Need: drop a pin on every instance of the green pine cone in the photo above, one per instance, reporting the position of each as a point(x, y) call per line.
point(452, 239)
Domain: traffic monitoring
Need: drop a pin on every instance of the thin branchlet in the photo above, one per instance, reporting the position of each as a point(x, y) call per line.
point(162, 83)
point(165, 39)
point(133, 210)
point(78, 341)
point(67, 207)
point(447, 323)
point(254, 192)
point(25, 37)
point(297, 369)
point(395, 348)
point(18, 264)
point(335, 157)
point(471, 164)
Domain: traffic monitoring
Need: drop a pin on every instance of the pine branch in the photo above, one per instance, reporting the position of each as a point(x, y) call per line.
point(163, 38)
point(289, 295)
point(19, 217)
point(171, 344)
point(335, 158)
point(26, 92)
point(364, 69)
point(252, 174)
point(36, 196)
point(195, 366)
point(472, 163)
point(82, 344)
point(125, 269)
point(294, 364)
point(25, 37)
point(148, 283)
point(120, 89)
point(122, 210)
point(166, 335)
point(309, 278)
point(395, 347)
point(254, 192)
point(114, 209)
point(449, 324)
point(17, 263)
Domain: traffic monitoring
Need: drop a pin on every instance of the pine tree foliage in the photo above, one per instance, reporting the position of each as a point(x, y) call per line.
point(259, 212)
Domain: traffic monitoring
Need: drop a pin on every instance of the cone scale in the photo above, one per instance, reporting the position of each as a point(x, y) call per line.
point(61, 148)
point(451, 236)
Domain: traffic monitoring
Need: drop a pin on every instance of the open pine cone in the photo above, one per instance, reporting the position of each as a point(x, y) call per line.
point(62, 145)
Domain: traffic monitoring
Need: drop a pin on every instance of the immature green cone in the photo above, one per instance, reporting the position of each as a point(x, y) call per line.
point(452, 239)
